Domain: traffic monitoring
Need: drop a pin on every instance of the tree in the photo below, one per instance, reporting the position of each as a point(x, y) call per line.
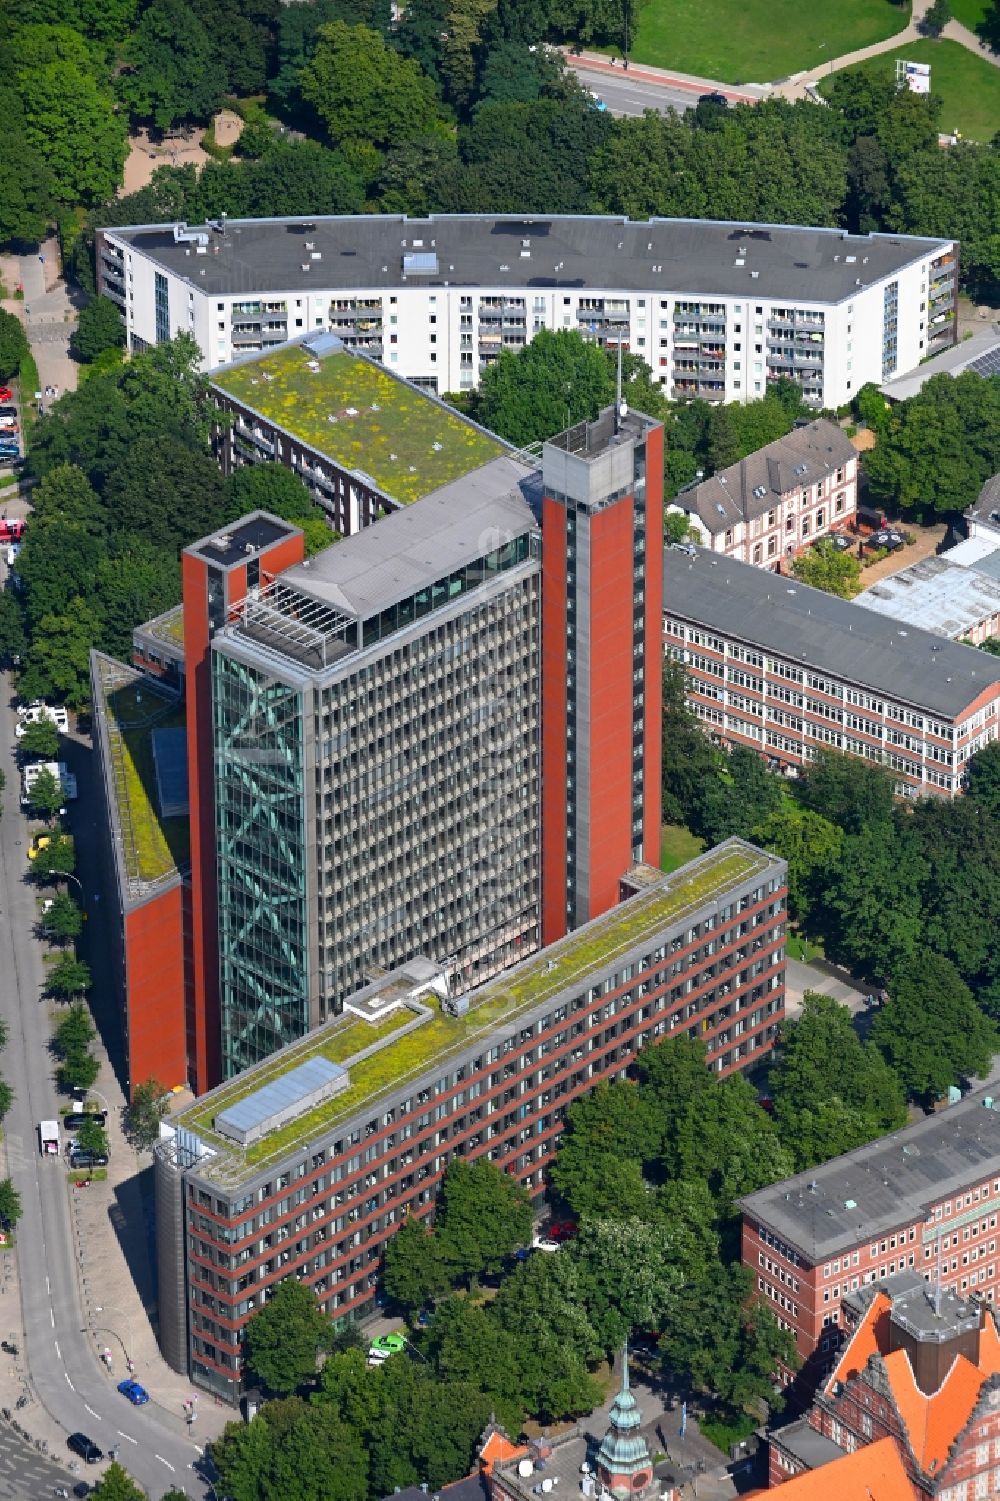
point(939, 447)
point(13, 344)
point(412, 1271)
point(25, 180)
point(983, 772)
point(144, 1112)
point(70, 121)
point(936, 18)
point(364, 91)
point(556, 380)
point(46, 797)
point(484, 1216)
point(610, 1133)
point(174, 70)
point(99, 327)
point(6, 1098)
point(40, 739)
point(740, 797)
point(78, 1068)
point(63, 921)
point(68, 977)
point(824, 567)
point(809, 843)
point(270, 487)
point(58, 858)
point(872, 902)
point(690, 761)
point(831, 1091)
point(930, 1031)
point(92, 1137)
point(10, 1204)
point(284, 1338)
point(847, 792)
point(631, 1272)
point(58, 664)
point(116, 1484)
point(12, 635)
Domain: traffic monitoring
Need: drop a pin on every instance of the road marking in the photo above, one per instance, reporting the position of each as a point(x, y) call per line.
point(71, 1386)
point(93, 1414)
point(128, 1436)
point(58, 1351)
point(48, 1287)
point(165, 1462)
point(52, 1317)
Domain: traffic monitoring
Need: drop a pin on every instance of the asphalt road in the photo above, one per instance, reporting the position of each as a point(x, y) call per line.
point(25, 1475)
point(627, 96)
point(65, 1373)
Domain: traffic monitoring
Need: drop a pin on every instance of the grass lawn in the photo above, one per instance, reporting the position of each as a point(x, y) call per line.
point(677, 846)
point(362, 417)
point(805, 949)
point(969, 12)
point(969, 86)
point(759, 41)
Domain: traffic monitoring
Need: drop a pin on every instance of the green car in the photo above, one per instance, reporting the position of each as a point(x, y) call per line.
point(384, 1345)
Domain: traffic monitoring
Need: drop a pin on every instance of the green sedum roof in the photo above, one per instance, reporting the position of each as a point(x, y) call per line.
point(399, 1060)
point(409, 443)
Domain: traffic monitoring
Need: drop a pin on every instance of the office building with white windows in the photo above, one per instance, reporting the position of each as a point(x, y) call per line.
point(717, 310)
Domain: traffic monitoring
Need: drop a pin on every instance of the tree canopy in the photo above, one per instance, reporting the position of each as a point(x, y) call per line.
point(284, 1338)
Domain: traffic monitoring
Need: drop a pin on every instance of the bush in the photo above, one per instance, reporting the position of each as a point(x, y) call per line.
point(13, 344)
point(100, 327)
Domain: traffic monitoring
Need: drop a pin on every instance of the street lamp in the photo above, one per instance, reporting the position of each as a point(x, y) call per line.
point(100, 1329)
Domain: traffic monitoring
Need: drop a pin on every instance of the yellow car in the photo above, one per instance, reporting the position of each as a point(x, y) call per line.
point(39, 843)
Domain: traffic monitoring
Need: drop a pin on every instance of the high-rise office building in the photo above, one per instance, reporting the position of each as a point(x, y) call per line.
point(602, 550)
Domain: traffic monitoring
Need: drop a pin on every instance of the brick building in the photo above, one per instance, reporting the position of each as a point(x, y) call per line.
point(778, 501)
point(919, 1374)
point(923, 1200)
point(787, 670)
point(305, 1165)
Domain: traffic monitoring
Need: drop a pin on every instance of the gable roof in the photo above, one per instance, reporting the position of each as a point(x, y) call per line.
point(874, 1473)
point(497, 1448)
point(755, 484)
point(870, 1338)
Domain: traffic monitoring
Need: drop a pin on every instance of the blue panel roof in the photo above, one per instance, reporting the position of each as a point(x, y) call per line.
point(292, 1091)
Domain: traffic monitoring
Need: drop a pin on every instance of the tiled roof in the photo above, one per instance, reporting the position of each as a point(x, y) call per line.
point(870, 1338)
point(498, 1449)
point(874, 1473)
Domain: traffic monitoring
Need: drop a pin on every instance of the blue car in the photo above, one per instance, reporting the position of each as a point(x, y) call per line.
point(137, 1395)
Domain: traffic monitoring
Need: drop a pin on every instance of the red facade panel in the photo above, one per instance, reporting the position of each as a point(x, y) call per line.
point(653, 686)
point(553, 720)
point(611, 667)
point(155, 971)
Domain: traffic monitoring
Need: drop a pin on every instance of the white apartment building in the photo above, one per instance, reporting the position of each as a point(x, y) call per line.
point(772, 505)
point(717, 310)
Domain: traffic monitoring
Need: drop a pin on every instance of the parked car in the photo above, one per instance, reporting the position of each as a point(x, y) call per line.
point(596, 102)
point(714, 98)
point(6, 394)
point(78, 1159)
point(544, 1243)
point(137, 1395)
point(39, 843)
point(384, 1345)
point(86, 1448)
point(78, 1118)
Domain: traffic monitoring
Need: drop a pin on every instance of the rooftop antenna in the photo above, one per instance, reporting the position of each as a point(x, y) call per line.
point(621, 405)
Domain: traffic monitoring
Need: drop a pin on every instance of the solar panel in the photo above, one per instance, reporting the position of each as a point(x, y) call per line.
point(988, 363)
point(302, 1088)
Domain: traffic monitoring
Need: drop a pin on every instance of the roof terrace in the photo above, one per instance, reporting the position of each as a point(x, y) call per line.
point(361, 417)
point(420, 1034)
point(128, 706)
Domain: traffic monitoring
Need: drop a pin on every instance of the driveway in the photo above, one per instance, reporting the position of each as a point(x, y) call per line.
point(827, 979)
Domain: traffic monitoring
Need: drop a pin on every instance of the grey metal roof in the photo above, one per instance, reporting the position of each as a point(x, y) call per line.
point(287, 1095)
point(805, 1443)
point(825, 633)
point(986, 506)
point(411, 548)
point(683, 255)
point(752, 486)
point(980, 353)
point(937, 595)
point(890, 1182)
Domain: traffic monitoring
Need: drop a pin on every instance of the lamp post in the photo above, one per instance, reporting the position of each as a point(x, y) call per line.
point(100, 1329)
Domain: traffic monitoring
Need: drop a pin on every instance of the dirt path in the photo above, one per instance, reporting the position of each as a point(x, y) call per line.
point(145, 156)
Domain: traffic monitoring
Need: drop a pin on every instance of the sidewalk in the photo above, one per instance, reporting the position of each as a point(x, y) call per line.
point(46, 311)
point(597, 62)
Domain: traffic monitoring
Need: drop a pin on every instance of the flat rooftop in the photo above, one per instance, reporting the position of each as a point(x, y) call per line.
point(887, 1183)
point(937, 595)
point(167, 629)
point(801, 624)
point(419, 1036)
point(409, 549)
point(128, 708)
point(231, 544)
point(578, 252)
point(360, 417)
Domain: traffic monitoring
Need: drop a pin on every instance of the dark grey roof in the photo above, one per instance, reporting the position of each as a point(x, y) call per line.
point(410, 548)
point(472, 1488)
point(890, 1182)
point(682, 255)
point(755, 484)
point(804, 1443)
point(232, 544)
point(986, 506)
point(825, 633)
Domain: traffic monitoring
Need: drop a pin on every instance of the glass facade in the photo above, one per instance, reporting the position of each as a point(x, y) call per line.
point(161, 300)
point(260, 831)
